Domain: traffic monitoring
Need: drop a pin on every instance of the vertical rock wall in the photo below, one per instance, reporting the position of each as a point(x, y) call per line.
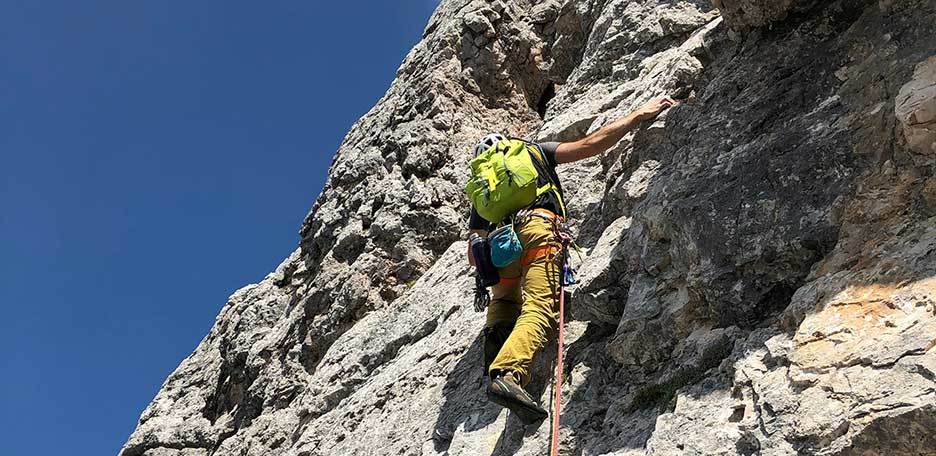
point(760, 269)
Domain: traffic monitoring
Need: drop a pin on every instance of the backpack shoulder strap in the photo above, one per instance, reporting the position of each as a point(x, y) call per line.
point(542, 168)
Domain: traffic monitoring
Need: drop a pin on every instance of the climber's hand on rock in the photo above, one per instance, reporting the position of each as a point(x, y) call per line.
point(654, 107)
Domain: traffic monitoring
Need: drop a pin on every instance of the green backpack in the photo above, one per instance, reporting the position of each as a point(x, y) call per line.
point(504, 179)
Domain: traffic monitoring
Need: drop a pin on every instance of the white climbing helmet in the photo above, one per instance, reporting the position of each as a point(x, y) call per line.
point(487, 142)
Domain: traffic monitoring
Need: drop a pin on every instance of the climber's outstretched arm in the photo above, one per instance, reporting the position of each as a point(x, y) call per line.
point(607, 136)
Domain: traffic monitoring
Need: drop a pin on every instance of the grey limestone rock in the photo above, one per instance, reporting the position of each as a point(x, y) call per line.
point(758, 269)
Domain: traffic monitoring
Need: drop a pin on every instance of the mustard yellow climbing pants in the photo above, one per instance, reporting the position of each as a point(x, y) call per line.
point(525, 304)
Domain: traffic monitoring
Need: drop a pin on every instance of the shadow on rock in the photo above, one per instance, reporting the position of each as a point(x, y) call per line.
point(511, 438)
point(464, 401)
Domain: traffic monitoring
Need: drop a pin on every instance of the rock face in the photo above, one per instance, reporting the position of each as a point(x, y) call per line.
point(915, 108)
point(760, 267)
point(744, 14)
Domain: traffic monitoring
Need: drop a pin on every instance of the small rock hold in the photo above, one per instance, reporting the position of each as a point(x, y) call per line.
point(842, 73)
point(888, 168)
point(478, 23)
point(442, 434)
point(549, 30)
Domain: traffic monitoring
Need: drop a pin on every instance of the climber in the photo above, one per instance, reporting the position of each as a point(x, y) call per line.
point(524, 305)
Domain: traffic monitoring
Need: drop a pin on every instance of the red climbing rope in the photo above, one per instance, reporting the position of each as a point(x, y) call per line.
point(566, 276)
point(557, 401)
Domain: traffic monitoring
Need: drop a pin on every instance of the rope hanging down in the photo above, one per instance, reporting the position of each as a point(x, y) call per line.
point(567, 277)
point(557, 401)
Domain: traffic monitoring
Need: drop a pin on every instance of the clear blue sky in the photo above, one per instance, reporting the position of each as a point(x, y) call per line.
point(156, 156)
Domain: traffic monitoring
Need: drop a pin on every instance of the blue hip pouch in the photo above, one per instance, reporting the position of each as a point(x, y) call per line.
point(505, 246)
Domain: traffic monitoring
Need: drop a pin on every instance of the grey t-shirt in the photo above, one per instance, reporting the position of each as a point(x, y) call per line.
point(547, 201)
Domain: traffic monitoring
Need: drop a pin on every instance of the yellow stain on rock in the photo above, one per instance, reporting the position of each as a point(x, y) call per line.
point(866, 317)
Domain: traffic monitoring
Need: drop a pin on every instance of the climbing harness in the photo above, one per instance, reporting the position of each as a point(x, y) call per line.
point(503, 247)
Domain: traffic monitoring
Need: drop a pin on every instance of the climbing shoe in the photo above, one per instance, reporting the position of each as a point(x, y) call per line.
point(505, 391)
